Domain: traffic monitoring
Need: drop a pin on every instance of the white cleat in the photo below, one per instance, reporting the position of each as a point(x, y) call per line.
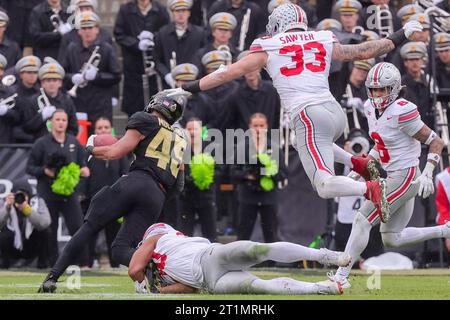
point(336, 258)
point(329, 287)
point(343, 281)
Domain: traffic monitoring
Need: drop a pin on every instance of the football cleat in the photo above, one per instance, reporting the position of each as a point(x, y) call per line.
point(343, 281)
point(336, 258)
point(376, 192)
point(367, 168)
point(329, 287)
point(49, 284)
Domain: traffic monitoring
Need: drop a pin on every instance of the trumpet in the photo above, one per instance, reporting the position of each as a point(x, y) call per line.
point(43, 101)
point(94, 60)
point(383, 21)
point(349, 95)
point(441, 17)
point(10, 102)
point(227, 51)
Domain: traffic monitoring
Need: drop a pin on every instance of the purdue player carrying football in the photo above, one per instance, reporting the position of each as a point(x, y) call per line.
point(139, 195)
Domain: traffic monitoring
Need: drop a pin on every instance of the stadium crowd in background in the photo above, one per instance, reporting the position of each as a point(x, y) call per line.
point(60, 67)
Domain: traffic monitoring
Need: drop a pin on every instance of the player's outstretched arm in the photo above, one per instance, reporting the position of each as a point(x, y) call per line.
point(372, 49)
point(224, 74)
point(121, 148)
point(141, 258)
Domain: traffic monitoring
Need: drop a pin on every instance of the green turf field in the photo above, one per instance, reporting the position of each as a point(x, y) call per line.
point(114, 284)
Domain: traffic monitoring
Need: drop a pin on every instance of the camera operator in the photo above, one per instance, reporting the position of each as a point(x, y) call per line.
point(357, 144)
point(24, 222)
point(257, 192)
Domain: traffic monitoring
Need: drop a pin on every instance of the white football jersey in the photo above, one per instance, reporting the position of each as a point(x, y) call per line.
point(177, 258)
point(299, 65)
point(392, 133)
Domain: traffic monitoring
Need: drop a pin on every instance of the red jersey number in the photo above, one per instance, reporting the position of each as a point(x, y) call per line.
point(319, 53)
point(381, 147)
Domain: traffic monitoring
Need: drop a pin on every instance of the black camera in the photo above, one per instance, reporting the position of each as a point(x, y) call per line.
point(359, 144)
point(20, 197)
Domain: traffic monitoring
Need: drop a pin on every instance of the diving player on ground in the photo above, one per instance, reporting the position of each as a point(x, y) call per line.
point(139, 195)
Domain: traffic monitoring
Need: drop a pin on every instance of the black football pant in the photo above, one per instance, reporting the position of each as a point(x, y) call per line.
point(135, 196)
point(207, 214)
point(247, 218)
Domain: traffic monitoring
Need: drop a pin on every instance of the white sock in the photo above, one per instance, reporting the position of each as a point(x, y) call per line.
point(411, 236)
point(290, 252)
point(340, 186)
point(283, 286)
point(342, 156)
point(357, 242)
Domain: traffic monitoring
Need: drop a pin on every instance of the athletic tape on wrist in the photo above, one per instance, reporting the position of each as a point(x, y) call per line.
point(434, 157)
point(430, 138)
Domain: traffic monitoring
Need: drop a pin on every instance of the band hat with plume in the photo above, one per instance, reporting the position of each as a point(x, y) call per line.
point(51, 70)
point(327, 24)
point(347, 6)
point(364, 64)
point(4, 19)
point(3, 61)
point(179, 4)
point(213, 59)
point(407, 11)
point(28, 64)
point(185, 72)
point(413, 50)
point(223, 20)
point(423, 19)
point(87, 20)
point(442, 41)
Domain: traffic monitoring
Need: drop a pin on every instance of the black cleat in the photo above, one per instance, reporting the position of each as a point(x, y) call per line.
point(49, 285)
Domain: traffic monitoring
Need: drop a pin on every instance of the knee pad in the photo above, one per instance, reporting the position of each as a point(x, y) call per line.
point(390, 239)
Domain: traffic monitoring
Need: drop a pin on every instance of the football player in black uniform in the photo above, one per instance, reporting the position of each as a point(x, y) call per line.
point(138, 196)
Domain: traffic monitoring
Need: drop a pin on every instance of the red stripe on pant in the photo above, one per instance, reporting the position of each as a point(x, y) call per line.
point(318, 162)
point(396, 194)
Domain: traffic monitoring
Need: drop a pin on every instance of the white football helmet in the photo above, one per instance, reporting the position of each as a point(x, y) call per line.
point(285, 17)
point(158, 228)
point(384, 75)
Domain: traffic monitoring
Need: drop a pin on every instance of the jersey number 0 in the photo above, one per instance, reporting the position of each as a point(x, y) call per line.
point(298, 58)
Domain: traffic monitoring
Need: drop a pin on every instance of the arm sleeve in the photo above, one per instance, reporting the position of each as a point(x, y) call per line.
point(410, 122)
point(35, 167)
point(40, 217)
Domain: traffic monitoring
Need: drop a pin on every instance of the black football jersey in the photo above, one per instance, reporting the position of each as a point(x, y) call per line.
point(162, 150)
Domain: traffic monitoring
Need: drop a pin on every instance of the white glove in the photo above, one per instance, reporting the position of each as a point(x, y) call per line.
point(353, 175)
point(425, 181)
point(140, 287)
point(90, 143)
point(144, 44)
point(169, 80)
point(91, 73)
point(64, 28)
point(114, 102)
point(412, 26)
point(145, 35)
point(47, 112)
point(355, 102)
point(78, 79)
point(3, 109)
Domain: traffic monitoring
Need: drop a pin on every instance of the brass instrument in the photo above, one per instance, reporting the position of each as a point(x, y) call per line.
point(9, 80)
point(10, 101)
point(349, 95)
point(94, 60)
point(149, 71)
point(383, 21)
point(244, 29)
point(227, 51)
point(43, 101)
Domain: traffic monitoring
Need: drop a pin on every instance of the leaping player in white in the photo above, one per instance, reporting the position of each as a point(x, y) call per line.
point(397, 130)
point(187, 264)
point(298, 62)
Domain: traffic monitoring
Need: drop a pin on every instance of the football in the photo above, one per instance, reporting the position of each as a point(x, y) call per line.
point(104, 140)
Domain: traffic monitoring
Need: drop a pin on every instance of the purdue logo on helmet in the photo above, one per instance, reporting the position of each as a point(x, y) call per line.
point(170, 108)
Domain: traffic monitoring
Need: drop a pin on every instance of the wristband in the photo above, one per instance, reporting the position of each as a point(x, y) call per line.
point(434, 157)
point(398, 37)
point(430, 138)
point(192, 86)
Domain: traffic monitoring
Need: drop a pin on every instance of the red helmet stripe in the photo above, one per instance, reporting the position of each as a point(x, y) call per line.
point(299, 13)
point(375, 76)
